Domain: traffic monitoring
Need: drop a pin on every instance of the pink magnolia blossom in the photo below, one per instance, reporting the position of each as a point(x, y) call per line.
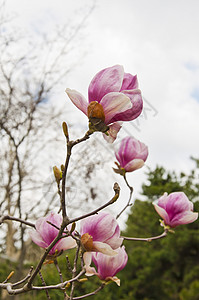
point(100, 233)
point(45, 233)
point(175, 209)
point(112, 96)
point(131, 154)
point(108, 266)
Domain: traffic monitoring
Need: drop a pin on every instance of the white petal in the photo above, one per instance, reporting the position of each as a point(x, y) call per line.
point(104, 248)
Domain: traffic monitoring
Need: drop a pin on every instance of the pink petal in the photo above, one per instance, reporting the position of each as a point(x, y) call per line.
point(37, 239)
point(130, 82)
point(47, 231)
point(113, 104)
point(162, 213)
point(77, 99)
point(103, 248)
point(115, 240)
point(184, 218)
point(109, 266)
point(101, 226)
point(134, 165)
point(104, 82)
point(112, 132)
point(132, 113)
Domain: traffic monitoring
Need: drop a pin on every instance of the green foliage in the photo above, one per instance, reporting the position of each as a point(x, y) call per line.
point(160, 180)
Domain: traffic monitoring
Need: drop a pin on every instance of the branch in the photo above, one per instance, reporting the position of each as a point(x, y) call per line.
point(90, 294)
point(44, 284)
point(2, 219)
point(164, 234)
point(70, 145)
point(115, 197)
point(130, 196)
point(25, 288)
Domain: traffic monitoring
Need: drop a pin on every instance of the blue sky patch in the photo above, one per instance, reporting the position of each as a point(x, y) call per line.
point(195, 94)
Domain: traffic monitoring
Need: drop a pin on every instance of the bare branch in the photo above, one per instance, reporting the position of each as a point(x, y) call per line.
point(164, 234)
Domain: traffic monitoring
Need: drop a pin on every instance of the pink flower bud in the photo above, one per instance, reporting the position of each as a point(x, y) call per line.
point(116, 92)
point(109, 266)
point(101, 233)
point(175, 209)
point(45, 233)
point(131, 154)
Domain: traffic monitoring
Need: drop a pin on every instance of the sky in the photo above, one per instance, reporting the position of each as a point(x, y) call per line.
point(158, 41)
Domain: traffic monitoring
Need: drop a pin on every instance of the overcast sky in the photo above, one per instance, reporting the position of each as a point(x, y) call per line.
point(158, 41)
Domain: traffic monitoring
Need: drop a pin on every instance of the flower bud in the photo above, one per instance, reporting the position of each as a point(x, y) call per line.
point(57, 174)
point(131, 154)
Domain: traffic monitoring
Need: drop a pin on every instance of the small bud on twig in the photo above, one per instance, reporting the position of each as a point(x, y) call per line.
point(73, 227)
point(65, 129)
point(57, 174)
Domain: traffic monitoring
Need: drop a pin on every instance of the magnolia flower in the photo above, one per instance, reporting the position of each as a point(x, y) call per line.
point(175, 209)
point(112, 96)
point(108, 266)
point(131, 155)
point(100, 233)
point(45, 233)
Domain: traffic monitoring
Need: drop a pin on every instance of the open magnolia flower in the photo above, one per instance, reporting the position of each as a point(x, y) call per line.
point(112, 96)
point(100, 233)
point(175, 209)
point(45, 233)
point(131, 155)
point(108, 266)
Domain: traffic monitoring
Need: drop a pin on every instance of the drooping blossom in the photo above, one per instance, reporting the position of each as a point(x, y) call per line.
point(112, 96)
point(45, 233)
point(100, 233)
point(108, 266)
point(175, 209)
point(131, 154)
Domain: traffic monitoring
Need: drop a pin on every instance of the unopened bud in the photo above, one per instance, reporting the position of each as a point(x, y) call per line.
point(83, 279)
point(73, 227)
point(10, 275)
point(57, 174)
point(65, 129)
point(67, 285)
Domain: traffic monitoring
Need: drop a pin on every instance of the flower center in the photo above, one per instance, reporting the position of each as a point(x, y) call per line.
point(87, 241)
point(96, 117)
point(95, 110)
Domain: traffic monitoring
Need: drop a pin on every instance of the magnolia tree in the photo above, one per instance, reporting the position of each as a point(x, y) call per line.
point(113, 98)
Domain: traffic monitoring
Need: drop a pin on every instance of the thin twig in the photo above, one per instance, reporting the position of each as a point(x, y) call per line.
point(44, 284)
point(90, 294)
point(74, 271)
point(25, 288)
point(60, 275)
point(130, 196)
point(7, 217)
point(68, 264)
point(164, 234)
point(70, 145)
point(115, 197)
